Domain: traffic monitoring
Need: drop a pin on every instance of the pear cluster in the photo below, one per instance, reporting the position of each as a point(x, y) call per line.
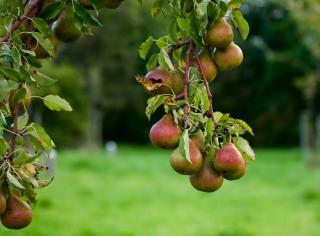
point(206, 171)
point(15, 213)
point(227, 55)
point(64, 26)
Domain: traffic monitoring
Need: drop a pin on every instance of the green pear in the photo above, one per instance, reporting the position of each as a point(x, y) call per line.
point(219, 34)
point(65, 29)
point(228, 58)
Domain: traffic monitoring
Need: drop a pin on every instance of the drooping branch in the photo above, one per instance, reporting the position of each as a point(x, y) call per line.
point(206, 84)
point(186, 108)
point(30, 8)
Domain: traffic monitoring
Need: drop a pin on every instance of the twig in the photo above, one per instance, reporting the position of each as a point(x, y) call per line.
point(186, 109)
point(206, 84)
point(15, 25)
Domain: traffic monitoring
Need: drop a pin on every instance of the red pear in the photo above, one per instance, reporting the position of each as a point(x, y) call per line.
point(171, 82)
point(17, 215)
point(229, 162)
point(228, 58)
point(165, 133)
point(181, 165)
point(207, 179)
point(198, 139)
point(208, 66)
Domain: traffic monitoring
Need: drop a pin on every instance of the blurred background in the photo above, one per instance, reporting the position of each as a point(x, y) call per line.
point(126, 187)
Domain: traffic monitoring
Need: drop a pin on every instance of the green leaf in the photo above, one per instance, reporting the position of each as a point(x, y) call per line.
point(44, 42)
point(10, 73)
point(52, 10)
point(3, 146)
point(154, 103)
point(208, 132)
point(13, 180)
point(16, 56)
point(56, 103)
point(2, 118)
point(241, 24)
point(184, 145)
point(19, 95)
point(245, 126)
point(23, 121)
point(43, 139)
point(153, 62)
point(4, 89)
point(41, 25)
point(145, 47)
point(245, 148)
point(24, 157)
point(164, 60)
point(235, 3)
point(44, 80)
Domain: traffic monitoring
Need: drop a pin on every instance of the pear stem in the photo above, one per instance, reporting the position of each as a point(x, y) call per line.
point(15, 25)
point(186, 108)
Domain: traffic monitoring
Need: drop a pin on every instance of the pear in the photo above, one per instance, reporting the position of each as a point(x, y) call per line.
point(207, 179)
point(171, 82)
point(165, 133)
point(219, 34)
point(2, 202)
point(198, 139)
point(65, 29)
point(209, 68)
point(228, 58)
point(181, 165)
point(17, 215)
point(40, 52)
point(229, 162)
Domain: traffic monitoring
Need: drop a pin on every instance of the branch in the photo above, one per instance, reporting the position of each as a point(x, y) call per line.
point(206, 84)
point(186, 109)
point(15, 25)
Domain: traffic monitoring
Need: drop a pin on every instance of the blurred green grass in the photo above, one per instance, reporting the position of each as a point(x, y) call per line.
point(137, 193)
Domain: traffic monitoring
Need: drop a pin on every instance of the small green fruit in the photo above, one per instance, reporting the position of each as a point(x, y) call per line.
point(64, 28)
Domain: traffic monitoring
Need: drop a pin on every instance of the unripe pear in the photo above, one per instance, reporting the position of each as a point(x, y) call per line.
point(181, 165)
point(228, 58)
point(229, 162)
point(165, 133)
point(219, 34)
point(40, 52)
point(2, 203)
point(17, 215)
point(207, 179)
point(198, 139)
point(171, 81)
point(64, 28)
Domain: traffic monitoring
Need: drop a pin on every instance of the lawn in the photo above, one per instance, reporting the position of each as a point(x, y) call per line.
point(137, 193)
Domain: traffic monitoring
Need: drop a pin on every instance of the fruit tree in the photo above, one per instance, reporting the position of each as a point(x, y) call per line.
point(198, 45)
